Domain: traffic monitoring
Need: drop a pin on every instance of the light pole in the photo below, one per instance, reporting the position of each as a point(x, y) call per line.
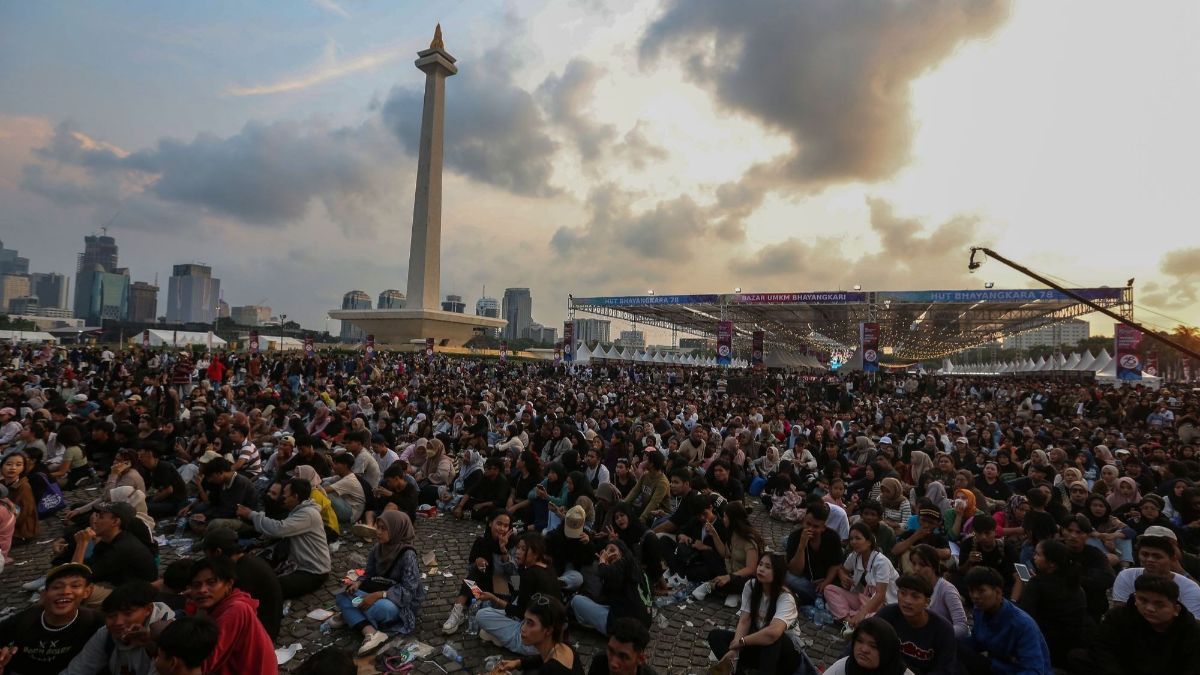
point(282, 319)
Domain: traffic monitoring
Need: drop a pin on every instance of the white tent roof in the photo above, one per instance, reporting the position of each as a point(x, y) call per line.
point(1085, 361)
point(1101, 362)
point(1072, 362)
point(183, 338)
point(26, 336)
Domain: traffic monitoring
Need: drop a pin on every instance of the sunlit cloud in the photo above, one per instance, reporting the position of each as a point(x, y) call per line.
point(329, 69)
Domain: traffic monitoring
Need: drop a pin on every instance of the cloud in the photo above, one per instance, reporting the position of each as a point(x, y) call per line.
point(566, 99)
point(1181, 288)
point(663, 233)
point(494, 129)
point(330, 68)
point(906, 258)
point(832, 74)
point(331, 7)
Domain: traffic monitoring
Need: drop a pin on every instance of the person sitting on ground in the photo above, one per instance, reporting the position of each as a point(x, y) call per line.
point(44, 637)
point(397, 493)
point(871, 513)
point(365, 464)
point(1151, 636)
point(254, 576)
point(741, 547)
point(622, 585)
point(333, 528)
point(219, 495)
point(724, 483)
point(117, 556)
point(308, 549)
point(124, 644)
point(760, 641)
point(625, 652)
point(650, 492)
point(570, 547)
point(1056, 602)
point(488, 557)
point(345, 491)
point(865, 581)
point(243, 645)
point(812, 550)
point(1004, 639)
point(14, 477)
point(1095, 573)
point(691, 504)
point(927, 640)
point(500, 624)
point(168, 493)
point(8, 523)
point(184, 645)
point(307, 455)
point(385, 601)
point(122, 474)
point(543, 637)
point(874, 649)
point(434, 473)
point(693, 554)
point(930, 530)
point(944, 601)
point(1159, 556)
point(983, 549)
point(490, 491)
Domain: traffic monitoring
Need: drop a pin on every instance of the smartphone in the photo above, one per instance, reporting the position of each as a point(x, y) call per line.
point(1023, 572)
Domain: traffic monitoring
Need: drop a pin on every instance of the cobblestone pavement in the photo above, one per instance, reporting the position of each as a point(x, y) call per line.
point(678, 645)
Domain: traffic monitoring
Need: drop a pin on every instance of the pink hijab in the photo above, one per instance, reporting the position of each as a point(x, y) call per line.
point(1117, 500)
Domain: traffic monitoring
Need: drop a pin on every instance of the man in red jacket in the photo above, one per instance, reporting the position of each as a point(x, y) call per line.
point(243, 646)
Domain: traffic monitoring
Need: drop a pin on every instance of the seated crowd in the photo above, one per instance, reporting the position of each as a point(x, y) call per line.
point(945, 525)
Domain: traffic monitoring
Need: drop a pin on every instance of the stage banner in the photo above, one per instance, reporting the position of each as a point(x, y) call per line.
point(428, 350)
point(1128, 349)
point(369, 349)
point(756, 352)
point(254, 342)
point(868, 334)
point(1152, 363)
point(504, 351)
point(558, 353)
point(145, 339)
point(310, 347)
point(568, 341)
point(724, 343)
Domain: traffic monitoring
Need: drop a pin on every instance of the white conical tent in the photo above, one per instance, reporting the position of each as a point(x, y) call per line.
point(1101, 362)
point(1086, 360)
point(1072, 362)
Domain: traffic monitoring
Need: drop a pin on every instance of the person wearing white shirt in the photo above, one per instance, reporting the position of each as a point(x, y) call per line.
point(866, 581)
point(760, 640)
point(1158, 554)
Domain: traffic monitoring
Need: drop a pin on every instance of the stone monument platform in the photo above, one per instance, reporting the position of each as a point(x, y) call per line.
point(400, 326)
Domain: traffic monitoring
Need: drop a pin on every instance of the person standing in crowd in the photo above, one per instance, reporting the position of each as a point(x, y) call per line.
point(303, 528)
point(243, 645)
point(45, 637)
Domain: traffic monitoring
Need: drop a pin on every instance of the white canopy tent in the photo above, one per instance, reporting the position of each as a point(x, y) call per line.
point(182, 338)
point(18, 336)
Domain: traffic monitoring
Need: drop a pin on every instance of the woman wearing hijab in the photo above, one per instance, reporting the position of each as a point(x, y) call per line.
point(1011, 520)
point(874, 650)
point(1127, 493)
point(386, 600)
point(1109, 532)
point(328, 515)
point(918, 465)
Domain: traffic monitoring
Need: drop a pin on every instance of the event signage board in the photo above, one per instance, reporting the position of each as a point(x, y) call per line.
point(1187, 368)
point(639, 300)
point(504, 351)
point(1151, 364)
point(868, 338)
point(558, 353)
point(829, 298)
point(310, 347)
point(370, 348)
point(568, 341)
point(428, 350)
point(1128, 350)
point(756, 350)
point(724, 343)
point(253, 342)
point(998, 295)
point(145, 339)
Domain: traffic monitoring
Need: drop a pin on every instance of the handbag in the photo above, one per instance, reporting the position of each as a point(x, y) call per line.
point(52, 500)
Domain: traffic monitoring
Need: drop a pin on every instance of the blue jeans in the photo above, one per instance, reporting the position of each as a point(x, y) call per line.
point(379, 615)
point(344, 512)
point(571, 580)
point(590, 613)
point(805, 589)
point(505, 629)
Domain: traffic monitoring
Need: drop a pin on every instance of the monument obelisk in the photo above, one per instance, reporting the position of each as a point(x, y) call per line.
point(422, 316)
point(425, 251)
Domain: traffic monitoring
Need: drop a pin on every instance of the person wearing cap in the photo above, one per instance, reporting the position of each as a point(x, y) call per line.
point(125, 643)
point(254, 576)
point(1158, 552)
point(117, 556)
point(46, 636)
point(272, 467)
point(1151, 636)
point(570, 545)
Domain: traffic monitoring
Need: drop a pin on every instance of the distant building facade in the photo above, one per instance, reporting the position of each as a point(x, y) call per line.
point(13, 287)
point(101, 296)
point(143, 302)
point(392, 299)
point(354, 300)
point(454, 303)
point(592, 330)
point(486, 306)
point(193, 295)
point(11, 262)
point(541, 334)
point(1069, 332)
point(634, 339)
point(518, 312)
point(51, 288)
point(250, 315)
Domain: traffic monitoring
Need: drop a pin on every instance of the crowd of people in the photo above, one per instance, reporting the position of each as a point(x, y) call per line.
point(944, 524)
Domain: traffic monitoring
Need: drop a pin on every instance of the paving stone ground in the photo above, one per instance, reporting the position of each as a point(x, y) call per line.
point(677, 648)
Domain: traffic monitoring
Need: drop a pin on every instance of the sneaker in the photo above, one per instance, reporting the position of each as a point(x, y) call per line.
point(488, 637)
point(375, 641)
point(363, 531)
point(35, 585)
point(456, 618)
point(732, 601)
point(702, 591)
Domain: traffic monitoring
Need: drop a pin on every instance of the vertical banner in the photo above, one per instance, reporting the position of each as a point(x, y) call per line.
point(1152, 364)
point(209, 340)
point(568, 341)
point(175, 338)
point(724, 343)
point(558, 353)
point(310, 347)
point(1187, 368)
point(756, 353)
point(254, 342)
point(1128, 348)
point(868, 334)
point(503, 351)
point(145, 339)
point(369, 349)
point(428, 350)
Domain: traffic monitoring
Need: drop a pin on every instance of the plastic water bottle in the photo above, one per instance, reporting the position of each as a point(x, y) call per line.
point(451, 653)
point(473, 620)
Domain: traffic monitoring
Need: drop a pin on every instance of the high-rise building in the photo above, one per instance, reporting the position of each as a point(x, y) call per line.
point(101, 296)
point(1068, 332)
point(143, 302)
point(13, 286)
point(518, 311)
point(540, 334)
point(11, 263)
point(354, 300)
point(592, 330)
point(27, 305)
point(696, 343)
point(391, 299)
point(50, 288)
point(634, 339)
point(250, 315)
point(193, 295)
point(454, 303)
point(487, 307)
point(223, 309)
point(101, 251)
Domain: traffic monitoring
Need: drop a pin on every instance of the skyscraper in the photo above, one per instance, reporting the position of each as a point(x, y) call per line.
point(354, 300)
point(101, 296)
point(391, 299)
point(518, 311)
point(487, 307)
point(13, 286)
point(11, 263)
point(100, 250)
point(143, 302)
point(250, 315)
point(192, 294)
point(454, 303)
point(50, 288)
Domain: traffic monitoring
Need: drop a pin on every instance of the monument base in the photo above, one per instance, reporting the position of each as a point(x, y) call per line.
point(401, 326)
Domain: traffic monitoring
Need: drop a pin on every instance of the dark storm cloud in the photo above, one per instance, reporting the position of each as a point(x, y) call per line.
point(566, 99)
point(832, 74)
point(615, 232)
point(494, 129)
point(1182, 286)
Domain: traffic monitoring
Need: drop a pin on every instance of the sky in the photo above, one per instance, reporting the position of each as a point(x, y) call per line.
point(606, 148)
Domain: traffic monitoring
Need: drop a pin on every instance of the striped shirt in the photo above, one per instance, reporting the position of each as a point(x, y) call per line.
point(253, 460)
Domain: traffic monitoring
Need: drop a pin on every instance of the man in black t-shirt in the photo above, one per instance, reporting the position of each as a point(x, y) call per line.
point(811, 550)
point(691, 504)
point(626, 650)
point(926, 639)
point(118, 556)
point(166, 491)
point(45, 637)
point(306, 455)
point(723, 482)
point(983, 549)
